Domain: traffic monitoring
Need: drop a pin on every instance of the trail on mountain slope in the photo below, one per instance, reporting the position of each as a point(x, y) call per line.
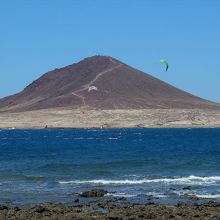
point(86, 87)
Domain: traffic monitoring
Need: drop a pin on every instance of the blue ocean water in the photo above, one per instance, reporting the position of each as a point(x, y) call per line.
point(160, 165)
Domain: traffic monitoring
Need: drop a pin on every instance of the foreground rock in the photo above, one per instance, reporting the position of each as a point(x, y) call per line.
point(110, 211)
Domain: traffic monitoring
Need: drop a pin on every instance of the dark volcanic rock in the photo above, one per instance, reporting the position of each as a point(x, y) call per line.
point(122, 211)
point(40, 209)
point(3, 207)
point(94, 193)
point(76, 200)
point(187, 188)
point(119, 86)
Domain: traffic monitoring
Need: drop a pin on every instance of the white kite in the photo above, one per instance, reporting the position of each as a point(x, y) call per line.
point(91, 88)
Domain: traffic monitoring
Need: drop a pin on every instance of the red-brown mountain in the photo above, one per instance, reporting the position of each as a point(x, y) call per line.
point(101, 82)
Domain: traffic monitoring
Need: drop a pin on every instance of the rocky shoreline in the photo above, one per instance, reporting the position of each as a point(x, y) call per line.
point(112, 209)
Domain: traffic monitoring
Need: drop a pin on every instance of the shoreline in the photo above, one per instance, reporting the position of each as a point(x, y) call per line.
point(118, 118)
point(98, 128)
point(94, 205)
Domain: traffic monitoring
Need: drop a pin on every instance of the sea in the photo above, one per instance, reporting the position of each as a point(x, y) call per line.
point(143, 165)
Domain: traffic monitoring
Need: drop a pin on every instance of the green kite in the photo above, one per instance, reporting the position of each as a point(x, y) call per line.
point(165, 62)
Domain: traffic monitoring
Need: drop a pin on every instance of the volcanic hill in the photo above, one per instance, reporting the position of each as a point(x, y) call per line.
point(118, 85)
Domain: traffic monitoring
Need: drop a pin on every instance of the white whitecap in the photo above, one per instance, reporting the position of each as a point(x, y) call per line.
point(121, 195)
point(206, 196)
point(193, 180)
point(157, 195)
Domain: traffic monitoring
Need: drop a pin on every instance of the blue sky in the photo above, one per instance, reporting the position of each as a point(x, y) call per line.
point(38, 36)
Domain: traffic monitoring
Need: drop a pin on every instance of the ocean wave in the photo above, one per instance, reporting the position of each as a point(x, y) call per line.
point(156, 195)
point(207, 196)
point(193, 180)
point(201, 196)
point(121, 195)
point(92, 130)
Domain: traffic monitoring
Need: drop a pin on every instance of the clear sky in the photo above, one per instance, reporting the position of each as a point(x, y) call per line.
point(38, 36)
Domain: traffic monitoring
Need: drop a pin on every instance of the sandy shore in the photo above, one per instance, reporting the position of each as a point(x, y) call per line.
point(109, 210)
point(71, 118)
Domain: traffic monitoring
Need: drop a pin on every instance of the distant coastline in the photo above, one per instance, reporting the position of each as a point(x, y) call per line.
point(141, 118)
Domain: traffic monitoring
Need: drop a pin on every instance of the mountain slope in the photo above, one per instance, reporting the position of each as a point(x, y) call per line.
point(119, 86)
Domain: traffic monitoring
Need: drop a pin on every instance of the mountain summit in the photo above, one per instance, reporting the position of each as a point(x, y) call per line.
point(101, 82)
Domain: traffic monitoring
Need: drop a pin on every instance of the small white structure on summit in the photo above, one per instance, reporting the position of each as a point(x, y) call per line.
point(91, 88)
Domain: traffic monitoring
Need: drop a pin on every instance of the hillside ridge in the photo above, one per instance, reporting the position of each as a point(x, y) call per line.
point(117, 86)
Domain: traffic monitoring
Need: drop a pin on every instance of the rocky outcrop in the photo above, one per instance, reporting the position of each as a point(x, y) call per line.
point(94, 193)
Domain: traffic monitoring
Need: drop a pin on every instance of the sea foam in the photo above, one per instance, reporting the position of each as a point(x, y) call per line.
point(194, 180)
point(208, 196)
